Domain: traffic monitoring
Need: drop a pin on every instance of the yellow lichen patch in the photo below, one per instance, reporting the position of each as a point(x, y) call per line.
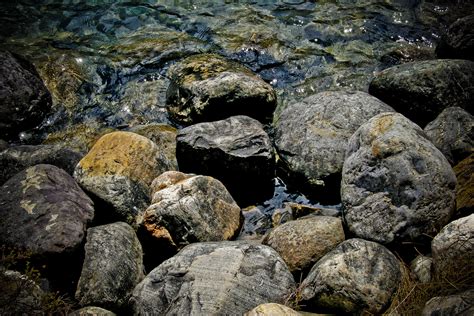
point(33, 179)
point(159, 232)
point(122, 153)
point(381, 125)
point(28, 206)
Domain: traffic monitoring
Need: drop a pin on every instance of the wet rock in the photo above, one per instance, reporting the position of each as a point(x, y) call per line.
point(452, 132)
point(164, 136)
point(118, 170)
point(197, 208)
point(17, 158)
point(113, 266)
point(208, 87)
point(92, 311)
point(357, 277)
point(24, 100)
point(311, 137)
point(459, 304)
point(303, 242)
point(292, 211)
point(422, 90)
point(458, 41)
point(19, 295)
point(396, 185)
point(452, 249)
point(464, 190)
point(272, 309)
point(45, 213)
point(237, 151)
point(421, 268)
point(215, 278)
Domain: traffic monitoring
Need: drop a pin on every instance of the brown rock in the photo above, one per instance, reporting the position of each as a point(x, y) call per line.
point(465, 188)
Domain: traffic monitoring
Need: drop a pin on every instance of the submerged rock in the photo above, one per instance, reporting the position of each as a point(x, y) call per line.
point(113, 266)
point(237, 151)
point(422, 90)
point(303, 242)
point(459, 304)
point(458, 41)
point(208, 87)
point(465, 188)
point(215, 278)
point(24, 99)
point(118, 170)
point(396, 185)
point(292, 211)
point(311, 137)
point(357, 277)
point(17, 158)
point(452, 132)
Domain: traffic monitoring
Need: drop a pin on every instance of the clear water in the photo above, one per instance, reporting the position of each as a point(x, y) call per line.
point(105, 62)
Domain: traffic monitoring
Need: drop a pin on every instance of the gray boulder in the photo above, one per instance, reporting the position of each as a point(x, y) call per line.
point(113, 266)
point(396, 185)
point(311, 136)
point(24, 99)
point(458, 41)
point(208, 87)
point(421, 268)
point(218, 278)
point(237, 151)
point(452, 132)
point(272, 309)
point(357, 277)
point(92, 311)
point(303, 242)
point(422, 90)
point(20, 295)
point(461, 304)
point(16, 158)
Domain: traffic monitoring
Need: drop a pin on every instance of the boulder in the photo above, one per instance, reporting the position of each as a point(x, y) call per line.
point(459, 304)
point(20, 295)
point(452, 249)
point(303, 242)
point(3, 145)
point(24, 99)
point(452, 132)
point(291, 211)
point(357, 277)
point(421, 268)
point(113, 266)
point(422, 90)
point(208, 87)
point(465, 189)
point(118, 170)
point(16, 158)
point(215, 278)
point(195, 209)
point(92, 311)
point(45, 213)
point(311, 137)
point(396, 185)
point(237, 151)
point(458, 41)
point(272, 309)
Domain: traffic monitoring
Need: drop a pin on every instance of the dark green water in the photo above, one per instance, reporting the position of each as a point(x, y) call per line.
point(105, 62)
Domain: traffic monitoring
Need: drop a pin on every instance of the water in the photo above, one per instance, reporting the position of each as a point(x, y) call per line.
point(105, 62)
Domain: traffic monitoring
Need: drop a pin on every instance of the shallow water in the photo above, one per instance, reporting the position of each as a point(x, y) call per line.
point(105, 62)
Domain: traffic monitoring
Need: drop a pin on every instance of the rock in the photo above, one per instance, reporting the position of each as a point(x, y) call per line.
point(237, 151)
point(119, 170)
point(464, 190)
point(452, 132)
point(452, 249)
point(421, 268)
point(292, 211)
point(208, 87)
point(460, 304)
point(357, 277)
point(20, 295)
point(24, 100)
point(421, 90)
point(458, 41)
point(195, 209)
point(113, 266)
point(167, 179)
point(3, 145)
point(164, 136)
point(92, 311)
point(216, 278)
point(17, 158)
point(272, 309)
point(396, 185)
point(303, 242)
point(311, 137)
